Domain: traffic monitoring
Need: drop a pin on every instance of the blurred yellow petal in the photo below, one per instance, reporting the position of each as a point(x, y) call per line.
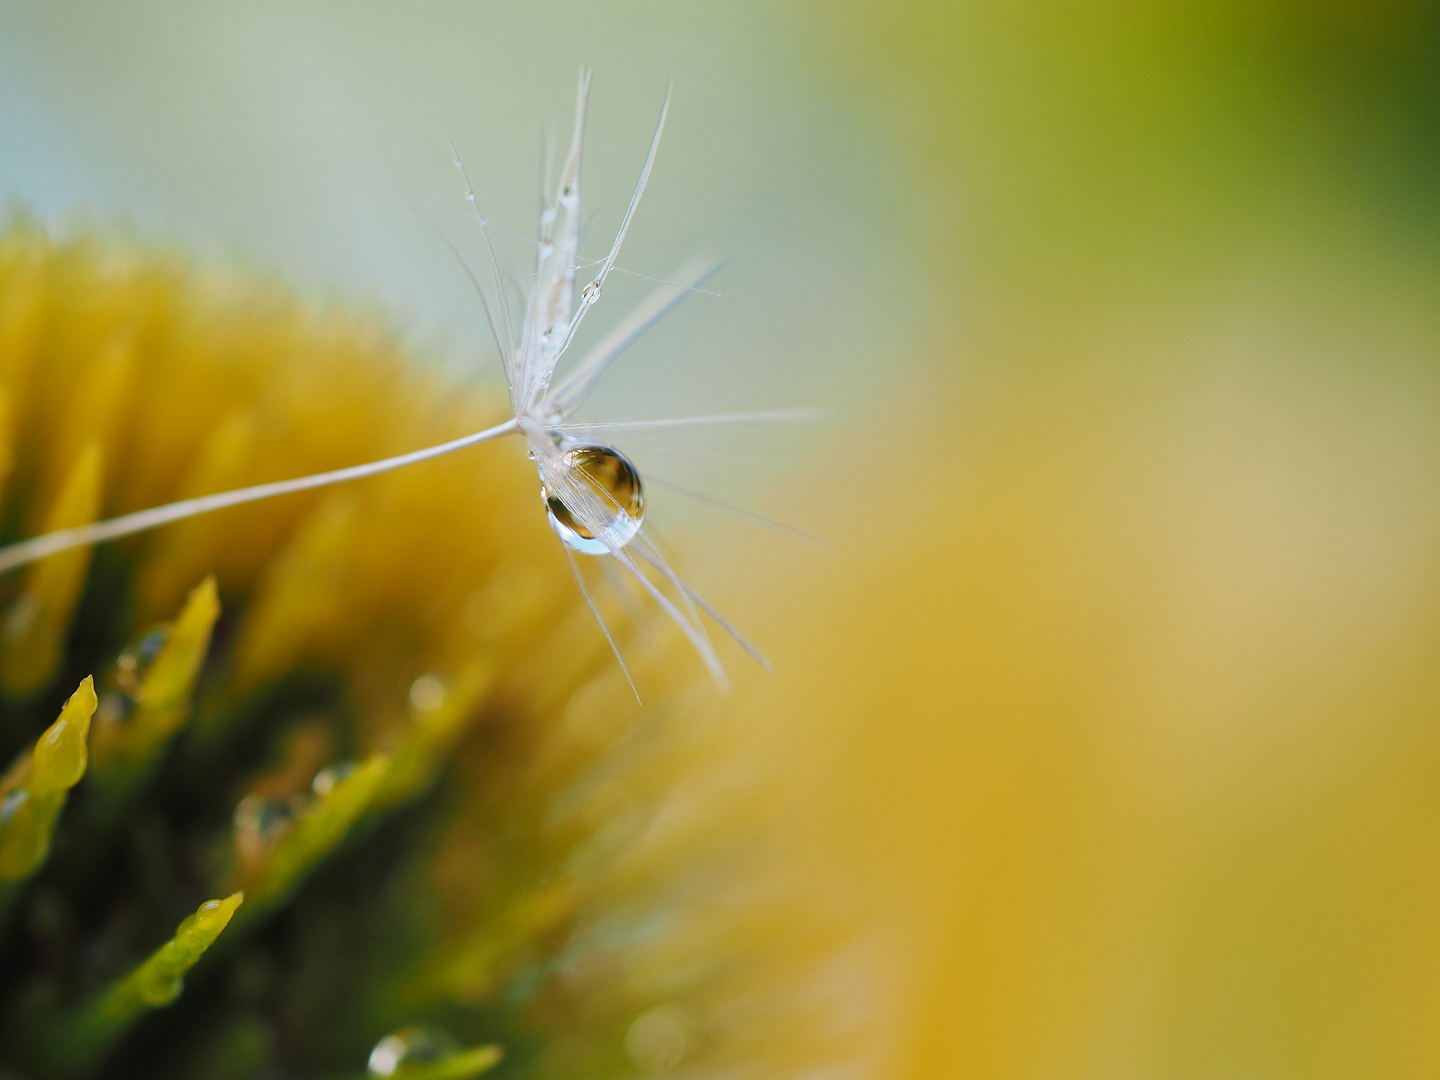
point(32, 633)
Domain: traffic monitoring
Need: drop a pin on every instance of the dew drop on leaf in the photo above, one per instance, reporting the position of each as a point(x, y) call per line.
point(419, 1045)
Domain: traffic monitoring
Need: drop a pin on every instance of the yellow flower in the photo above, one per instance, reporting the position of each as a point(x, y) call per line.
point(281, 688)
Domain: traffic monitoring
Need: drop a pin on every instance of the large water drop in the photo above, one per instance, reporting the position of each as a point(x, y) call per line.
point(608, 498)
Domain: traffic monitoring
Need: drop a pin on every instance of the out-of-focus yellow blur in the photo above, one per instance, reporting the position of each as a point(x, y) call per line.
point(1115, 725)
point(1108, 745)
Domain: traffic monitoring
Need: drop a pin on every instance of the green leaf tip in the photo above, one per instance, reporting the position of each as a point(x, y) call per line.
point(321, 829)
point(33, 792)
point(172, 676)
point(160, 688)
point(70, 1045)
point(430, 736)
point(60, 754)
point(158, 980)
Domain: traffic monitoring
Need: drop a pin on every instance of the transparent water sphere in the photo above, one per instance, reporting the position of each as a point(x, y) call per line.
point(420, 1045)
point(325, 780)
point(619, 501)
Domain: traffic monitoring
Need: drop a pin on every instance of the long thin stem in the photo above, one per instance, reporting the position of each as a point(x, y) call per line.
point(38, 547)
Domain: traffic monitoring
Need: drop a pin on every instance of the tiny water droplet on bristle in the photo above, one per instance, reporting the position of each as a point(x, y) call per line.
point(469, 196)
point(590, 293)
point(618, 503)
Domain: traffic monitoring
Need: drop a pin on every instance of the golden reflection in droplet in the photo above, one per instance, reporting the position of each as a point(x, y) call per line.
point(615, 483)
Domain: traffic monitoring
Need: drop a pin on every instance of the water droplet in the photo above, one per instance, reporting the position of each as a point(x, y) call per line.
point(547, 249)
point(590, 293)
point(469, 196)
point(567, 195)
point(658, 1040)
point(427, 693)
point(547, 216)
point(329, 776)
point(127, 681)
point(410, 1046)
point(133, 664)
point(150, 645)
point(530, 454)
point(115, 707)
point(609, 498)
point(11, 803)
point(263, 820)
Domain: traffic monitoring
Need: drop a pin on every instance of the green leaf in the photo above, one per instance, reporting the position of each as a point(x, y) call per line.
point(33, 792)
point(73, 1044)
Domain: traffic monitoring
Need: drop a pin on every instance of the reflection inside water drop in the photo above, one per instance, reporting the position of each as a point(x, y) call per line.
point(609, 498)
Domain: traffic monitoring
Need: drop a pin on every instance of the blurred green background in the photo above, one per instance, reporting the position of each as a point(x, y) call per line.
point(1113, 726)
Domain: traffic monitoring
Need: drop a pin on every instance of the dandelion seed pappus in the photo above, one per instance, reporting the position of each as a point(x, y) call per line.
point(593, 495)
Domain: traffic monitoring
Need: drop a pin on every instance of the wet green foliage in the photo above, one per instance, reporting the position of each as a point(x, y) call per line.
point(139, 842)
point(340, 707)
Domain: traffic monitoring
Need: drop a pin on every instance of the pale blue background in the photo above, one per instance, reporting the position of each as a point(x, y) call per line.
point(305, 141)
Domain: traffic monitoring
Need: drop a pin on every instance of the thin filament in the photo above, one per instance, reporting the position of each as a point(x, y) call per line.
point(768, 416)
point(747, 514)
point(696, 637)
point(38, 547)
point(574, 569)
point(470, 197)
point(724, 623)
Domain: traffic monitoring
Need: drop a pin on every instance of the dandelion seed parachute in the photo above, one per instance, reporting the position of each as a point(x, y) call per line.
point(369, 742)
point(403, 742)
point(593, 494)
